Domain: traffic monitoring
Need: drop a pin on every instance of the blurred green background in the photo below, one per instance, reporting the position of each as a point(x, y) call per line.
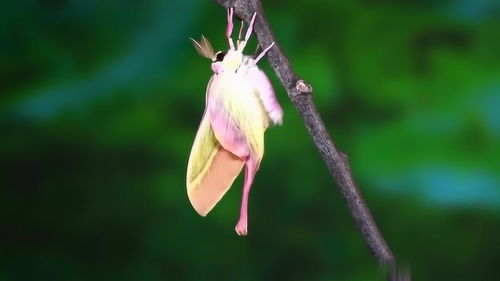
point(101, 101)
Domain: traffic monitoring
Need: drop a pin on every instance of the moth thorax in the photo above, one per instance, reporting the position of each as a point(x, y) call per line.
point(232, 60)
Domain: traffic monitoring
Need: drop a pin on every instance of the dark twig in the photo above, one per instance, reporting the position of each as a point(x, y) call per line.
point(300, 93)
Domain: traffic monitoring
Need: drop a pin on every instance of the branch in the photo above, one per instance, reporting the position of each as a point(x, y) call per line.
point(300, 93)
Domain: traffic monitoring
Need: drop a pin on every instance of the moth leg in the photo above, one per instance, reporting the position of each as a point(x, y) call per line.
point(229, 28)
point(248, 34)
point(250, 28)
point(263, 53)
point(239, 34)
point(256, 50)
point(251, 167)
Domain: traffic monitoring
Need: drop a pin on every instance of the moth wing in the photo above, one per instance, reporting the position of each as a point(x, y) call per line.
point(237, 115)
point(211, 170)
point(266, 94)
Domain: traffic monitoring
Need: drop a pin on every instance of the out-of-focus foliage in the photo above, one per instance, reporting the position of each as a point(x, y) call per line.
point(100, 105)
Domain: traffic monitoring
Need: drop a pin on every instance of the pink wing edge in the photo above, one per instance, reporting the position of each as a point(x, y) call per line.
point(267, 96)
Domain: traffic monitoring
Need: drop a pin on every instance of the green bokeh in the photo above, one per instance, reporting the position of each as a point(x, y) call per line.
point(101, 101)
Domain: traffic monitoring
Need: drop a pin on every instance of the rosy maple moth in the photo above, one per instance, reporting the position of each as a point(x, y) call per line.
point(240, 106)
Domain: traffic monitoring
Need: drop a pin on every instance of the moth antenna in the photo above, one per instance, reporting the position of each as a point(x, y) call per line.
point(204, 48)
point(197, 46)
point(229, 28)
point(207, 46)
point(256, 50)
point(263, 53)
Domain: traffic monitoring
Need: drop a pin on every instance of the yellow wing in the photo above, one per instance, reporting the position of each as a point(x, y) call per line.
point(211, 169)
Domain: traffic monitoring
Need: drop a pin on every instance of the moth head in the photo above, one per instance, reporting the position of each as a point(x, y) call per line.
point(217, 61)
point(221, 60)
point(227, 61)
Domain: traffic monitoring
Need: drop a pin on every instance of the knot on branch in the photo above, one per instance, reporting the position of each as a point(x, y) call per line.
point(303, 87)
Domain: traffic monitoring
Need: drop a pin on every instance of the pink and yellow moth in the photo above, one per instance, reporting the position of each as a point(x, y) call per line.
point(240, 105)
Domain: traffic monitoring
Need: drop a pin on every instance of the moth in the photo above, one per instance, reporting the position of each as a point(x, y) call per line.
point(240, 105)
